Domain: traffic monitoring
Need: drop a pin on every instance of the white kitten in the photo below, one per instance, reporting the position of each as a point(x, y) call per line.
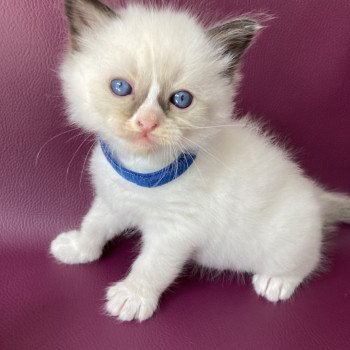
point(154, 84)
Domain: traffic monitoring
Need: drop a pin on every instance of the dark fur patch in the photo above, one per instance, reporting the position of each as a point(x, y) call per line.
point(163, 103)
point(234, 38)
point(75, 10)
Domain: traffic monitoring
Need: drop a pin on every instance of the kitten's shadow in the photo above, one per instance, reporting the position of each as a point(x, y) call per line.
point(126, 242)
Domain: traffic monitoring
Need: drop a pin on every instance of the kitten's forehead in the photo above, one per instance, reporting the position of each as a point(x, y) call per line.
point(158, 45)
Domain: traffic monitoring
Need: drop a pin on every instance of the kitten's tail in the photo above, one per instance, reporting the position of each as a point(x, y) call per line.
point(336, 207)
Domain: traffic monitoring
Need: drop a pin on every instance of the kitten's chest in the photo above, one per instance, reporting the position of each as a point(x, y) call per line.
point(125, 196)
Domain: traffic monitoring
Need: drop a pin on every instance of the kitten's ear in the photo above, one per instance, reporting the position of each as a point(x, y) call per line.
point(85, 14)
point(233, 38)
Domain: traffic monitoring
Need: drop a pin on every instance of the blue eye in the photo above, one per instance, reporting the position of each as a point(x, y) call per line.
point(121, 87)
point(181, 99)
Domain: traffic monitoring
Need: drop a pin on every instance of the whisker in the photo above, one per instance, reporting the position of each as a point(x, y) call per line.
point(173, 152)
point(206, 151)
point(86, 157)
point(189, 125)
point(75, 136)
point(75, 153)
point(50, 140)
point(208, 126)
point(194, 161)
point(163, 173)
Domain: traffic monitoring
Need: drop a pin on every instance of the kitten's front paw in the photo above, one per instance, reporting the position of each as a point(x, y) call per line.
point(275, 288)
point(131, 301)
point(71, 248)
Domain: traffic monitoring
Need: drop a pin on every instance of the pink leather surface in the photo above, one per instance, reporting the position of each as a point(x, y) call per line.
point(297, 76)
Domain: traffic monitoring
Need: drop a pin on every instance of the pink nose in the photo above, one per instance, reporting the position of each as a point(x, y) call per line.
point(148, 124)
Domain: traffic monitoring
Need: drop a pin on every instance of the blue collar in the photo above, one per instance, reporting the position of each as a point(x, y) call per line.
point(158, 178)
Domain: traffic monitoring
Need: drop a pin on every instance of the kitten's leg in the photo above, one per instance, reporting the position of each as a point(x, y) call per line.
point(275, 283)
point(99, 225)
point(157, 266)
point(276, 288)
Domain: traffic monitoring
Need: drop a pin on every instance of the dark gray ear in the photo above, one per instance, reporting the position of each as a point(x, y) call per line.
point(233, 38)
point(83, 14)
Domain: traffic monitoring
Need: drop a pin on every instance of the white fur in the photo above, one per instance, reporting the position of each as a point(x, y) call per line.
point(243, 205)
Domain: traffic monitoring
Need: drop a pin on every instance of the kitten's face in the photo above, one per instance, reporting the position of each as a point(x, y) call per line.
point(146, 80)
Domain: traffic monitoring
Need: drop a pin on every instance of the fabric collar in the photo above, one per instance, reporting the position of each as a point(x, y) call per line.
point(155, 179)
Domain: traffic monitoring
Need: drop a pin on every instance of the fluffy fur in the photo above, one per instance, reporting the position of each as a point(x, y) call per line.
point(243, 205)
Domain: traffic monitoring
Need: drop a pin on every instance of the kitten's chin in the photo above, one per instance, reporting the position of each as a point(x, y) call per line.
point(143, 149)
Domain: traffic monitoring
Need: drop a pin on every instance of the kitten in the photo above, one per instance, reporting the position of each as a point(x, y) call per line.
point(154, 86)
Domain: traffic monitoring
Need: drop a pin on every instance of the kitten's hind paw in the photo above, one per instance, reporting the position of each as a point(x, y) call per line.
point(72, 248)
point(275, 288)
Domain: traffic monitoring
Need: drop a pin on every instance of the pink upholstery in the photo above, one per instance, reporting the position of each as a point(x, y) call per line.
point(297, 76)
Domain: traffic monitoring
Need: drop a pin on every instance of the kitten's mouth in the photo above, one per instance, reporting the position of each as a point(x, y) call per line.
point(143, 138)
point(143, 142)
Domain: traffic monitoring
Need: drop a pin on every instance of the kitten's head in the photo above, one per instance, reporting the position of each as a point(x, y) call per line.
point(149, 79)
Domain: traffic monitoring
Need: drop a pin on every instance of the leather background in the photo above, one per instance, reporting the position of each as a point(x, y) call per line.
point(297, 76)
